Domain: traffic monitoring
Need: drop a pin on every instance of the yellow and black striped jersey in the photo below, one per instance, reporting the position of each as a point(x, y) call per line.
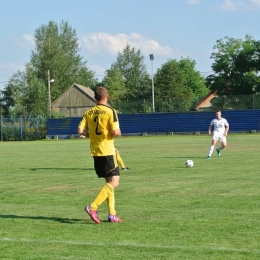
point(100, 121)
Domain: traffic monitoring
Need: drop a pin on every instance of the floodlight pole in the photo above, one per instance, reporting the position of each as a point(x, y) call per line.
point(49, 93)
point(1, 123)
point(152, 58)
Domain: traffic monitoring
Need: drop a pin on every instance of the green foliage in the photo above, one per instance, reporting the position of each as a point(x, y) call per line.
point(210, 211)
point(128, 81)
point(115, 84)
point(180, 83)
point(130, 62)
point(55, 114)
point(235, 66)
point(57, 51)
point(13, 96)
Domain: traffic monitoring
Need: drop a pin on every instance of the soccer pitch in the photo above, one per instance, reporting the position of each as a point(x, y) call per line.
point(209, 211)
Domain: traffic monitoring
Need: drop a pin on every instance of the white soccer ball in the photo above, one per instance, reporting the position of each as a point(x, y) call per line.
point(189, 163)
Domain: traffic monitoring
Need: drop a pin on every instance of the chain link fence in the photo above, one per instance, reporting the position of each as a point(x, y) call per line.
point(171, 104)
point(236, 102)
point(22, 128)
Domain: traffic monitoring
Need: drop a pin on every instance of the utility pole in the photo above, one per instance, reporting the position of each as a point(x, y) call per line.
point(49, 93)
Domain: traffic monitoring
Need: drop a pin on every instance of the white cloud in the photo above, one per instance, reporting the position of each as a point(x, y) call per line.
point(228, 6)
point(26, 41)
point(193, 2)
point(256, 3)
point(236, 5)
point(29, 38)
point(102, 43)
point(99, 70)
point(12, 67)
point(6, 70)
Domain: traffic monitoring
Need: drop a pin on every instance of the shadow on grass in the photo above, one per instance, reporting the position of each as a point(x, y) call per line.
point(62, 169)
point(170, 157)
point(61, 220)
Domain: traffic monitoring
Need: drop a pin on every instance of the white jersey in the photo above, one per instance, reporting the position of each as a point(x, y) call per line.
point(219, 126)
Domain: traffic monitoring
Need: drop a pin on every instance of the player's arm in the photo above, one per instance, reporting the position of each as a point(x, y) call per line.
point(209, 130)
point(226, 130)
point(82, 127)
point(83, 132)
point(116, 132)
point(114, 123)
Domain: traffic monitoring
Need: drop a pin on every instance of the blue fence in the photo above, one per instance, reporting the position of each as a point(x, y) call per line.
point(155, 123)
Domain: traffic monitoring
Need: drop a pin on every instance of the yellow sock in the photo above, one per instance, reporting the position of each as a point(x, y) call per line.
point(102, 195)
point(111, 203)
point(120, 161)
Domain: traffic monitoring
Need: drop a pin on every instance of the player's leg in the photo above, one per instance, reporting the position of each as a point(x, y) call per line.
point(106, 167)
point(223, 142)
point(211, 149)
point(103, 194)
point(120, 161)
point(114, 182)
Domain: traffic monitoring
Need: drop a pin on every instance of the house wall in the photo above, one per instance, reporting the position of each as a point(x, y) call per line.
point(71, 111)
point(72, 103)
point(74, 98)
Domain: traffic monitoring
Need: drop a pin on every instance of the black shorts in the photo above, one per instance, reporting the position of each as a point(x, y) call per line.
point(106, 166)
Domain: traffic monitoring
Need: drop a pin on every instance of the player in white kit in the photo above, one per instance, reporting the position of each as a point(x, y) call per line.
point(220, 132)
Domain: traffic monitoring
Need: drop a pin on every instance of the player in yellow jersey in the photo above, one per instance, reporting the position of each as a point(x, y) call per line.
point(118, 158)
point(100, 123)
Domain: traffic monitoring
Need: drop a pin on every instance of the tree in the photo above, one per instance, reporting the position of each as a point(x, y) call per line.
point(36, 94)
point(57, 51)
point(13, 95)
point(137, 83)
point(235, 67)
point(130, 62)
point(256, 56)
point(115, 84)
point(178, 86)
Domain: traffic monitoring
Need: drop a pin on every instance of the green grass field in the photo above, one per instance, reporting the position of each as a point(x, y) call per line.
point(210, 211)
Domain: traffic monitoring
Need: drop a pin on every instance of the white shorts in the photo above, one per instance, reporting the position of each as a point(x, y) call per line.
point(220, 138)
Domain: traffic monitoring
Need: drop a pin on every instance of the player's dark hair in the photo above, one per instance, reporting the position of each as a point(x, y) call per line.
point(100, 93)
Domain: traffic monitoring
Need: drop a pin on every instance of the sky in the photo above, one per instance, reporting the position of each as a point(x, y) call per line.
point(168, 29)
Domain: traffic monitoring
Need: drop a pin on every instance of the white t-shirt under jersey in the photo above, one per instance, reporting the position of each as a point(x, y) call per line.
point(219, 126)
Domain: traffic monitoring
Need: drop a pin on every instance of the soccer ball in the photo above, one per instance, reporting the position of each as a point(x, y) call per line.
point(189, 163)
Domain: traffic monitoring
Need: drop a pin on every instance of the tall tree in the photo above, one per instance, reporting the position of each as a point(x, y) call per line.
point(235, 67)
point(56, 51)
point(13, 95)
point(36, 94)
point(178, 86)
point(130, 63)
point(115, 84)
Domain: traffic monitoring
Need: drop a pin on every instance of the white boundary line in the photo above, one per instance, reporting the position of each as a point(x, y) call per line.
point(67, 242)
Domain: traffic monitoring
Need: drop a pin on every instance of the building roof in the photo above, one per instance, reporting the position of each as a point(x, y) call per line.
point(86, 91)
point(89, 92)
point(205, 102)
